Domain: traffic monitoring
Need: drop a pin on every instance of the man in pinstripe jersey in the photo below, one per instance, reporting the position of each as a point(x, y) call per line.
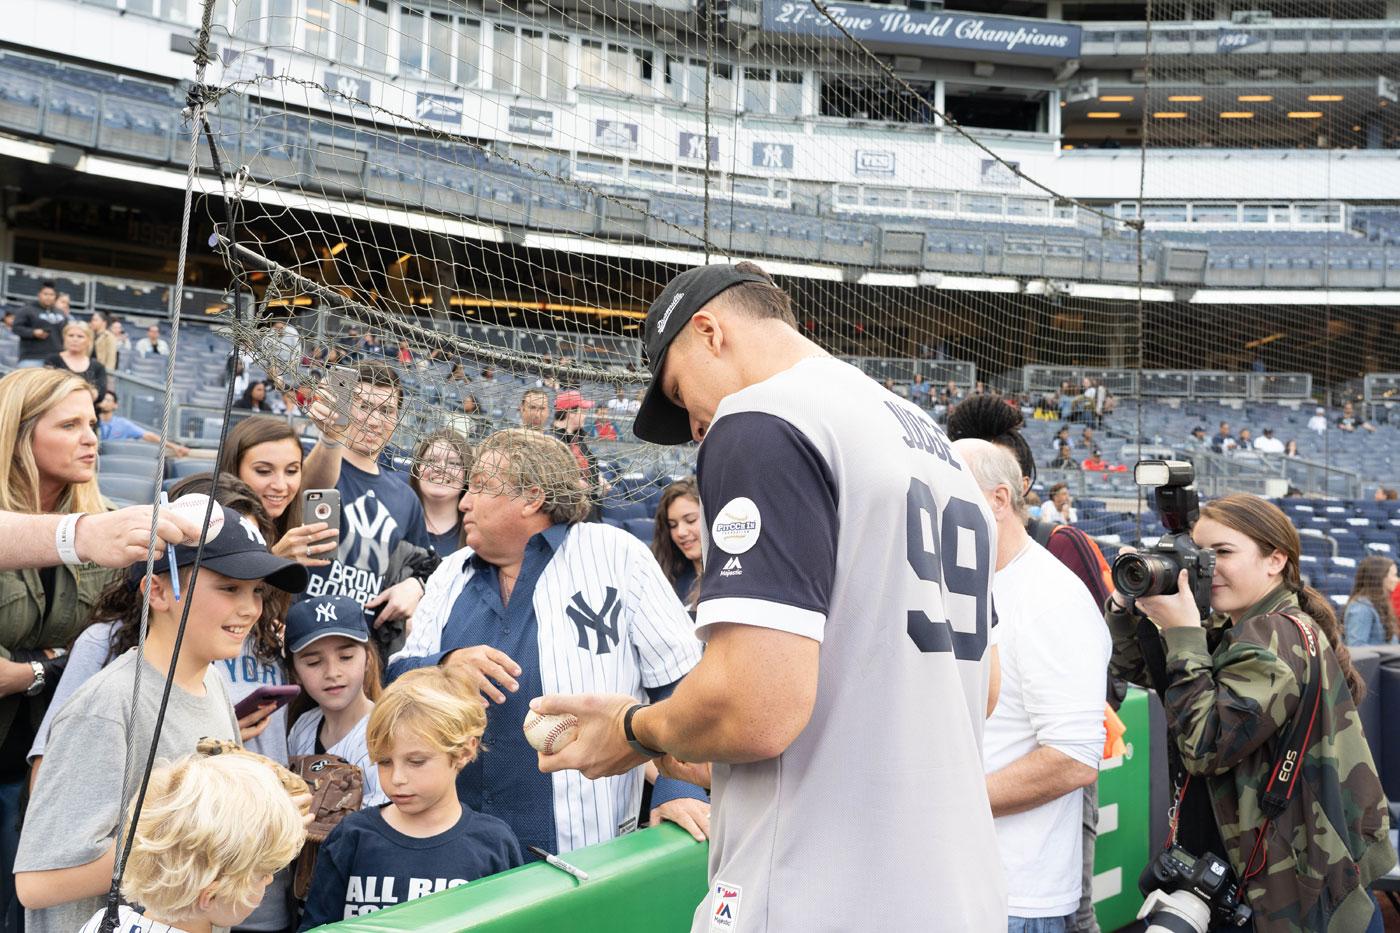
point(540, 602)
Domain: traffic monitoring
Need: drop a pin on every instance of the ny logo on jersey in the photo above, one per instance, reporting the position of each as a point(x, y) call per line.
point(366, 536)
point(326, 613)
point(603, 622)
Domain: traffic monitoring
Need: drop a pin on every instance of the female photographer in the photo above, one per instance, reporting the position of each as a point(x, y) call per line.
point(1232, 686)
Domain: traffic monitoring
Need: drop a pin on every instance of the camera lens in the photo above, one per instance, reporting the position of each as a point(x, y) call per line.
point(1145, 574)
point(323, 511)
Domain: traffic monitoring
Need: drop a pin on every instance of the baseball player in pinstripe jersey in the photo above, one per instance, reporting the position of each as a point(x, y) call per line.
point(850, 638)
point(540, 602)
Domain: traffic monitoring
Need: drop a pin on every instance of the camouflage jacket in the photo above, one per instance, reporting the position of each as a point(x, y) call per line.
point(1225, 710)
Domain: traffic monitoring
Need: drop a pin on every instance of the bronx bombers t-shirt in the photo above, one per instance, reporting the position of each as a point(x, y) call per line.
point(838, 512)
point(378, 512)
point(366, 865)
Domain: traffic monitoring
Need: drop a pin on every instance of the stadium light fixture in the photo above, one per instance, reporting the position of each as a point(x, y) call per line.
point(1326, 98)
point(1255, 98)
point(1170, 115)
point(1185, 98)
point(1305, 114)
point(1237, 115)
point(1103, 114)
point(1117, 98)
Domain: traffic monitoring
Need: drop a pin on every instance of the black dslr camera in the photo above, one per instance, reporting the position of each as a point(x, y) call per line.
point(1188, 893)
point(1153, 571)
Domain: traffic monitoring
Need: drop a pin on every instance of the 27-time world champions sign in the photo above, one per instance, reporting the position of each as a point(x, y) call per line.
point(922, 30)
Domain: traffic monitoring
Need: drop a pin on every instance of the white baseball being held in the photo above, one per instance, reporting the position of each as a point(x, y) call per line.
point(551, 733)
point(192, 507)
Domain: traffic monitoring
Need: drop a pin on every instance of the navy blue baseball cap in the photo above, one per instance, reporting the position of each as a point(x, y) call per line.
point(322, 616)
point(660, 420)
point(237, 551)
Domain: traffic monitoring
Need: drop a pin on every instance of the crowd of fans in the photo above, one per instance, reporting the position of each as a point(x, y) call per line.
point(492, 548)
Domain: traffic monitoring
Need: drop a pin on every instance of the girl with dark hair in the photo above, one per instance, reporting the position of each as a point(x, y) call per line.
point(264, 453)
point(1233, 685)
point(676, 540)
point(442, 462)
point(254, 398)
point(1369, 618)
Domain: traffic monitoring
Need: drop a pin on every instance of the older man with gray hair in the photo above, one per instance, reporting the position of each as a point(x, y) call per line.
point(1044, 740)
point(541, 602)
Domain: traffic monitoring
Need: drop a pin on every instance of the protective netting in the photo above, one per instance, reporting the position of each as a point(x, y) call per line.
point(494, 196)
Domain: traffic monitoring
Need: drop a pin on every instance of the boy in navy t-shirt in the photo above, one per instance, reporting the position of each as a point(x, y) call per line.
point(384, 554)
point(425, 728)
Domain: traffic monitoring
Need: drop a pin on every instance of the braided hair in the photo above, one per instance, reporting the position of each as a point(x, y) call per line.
point(989, 418)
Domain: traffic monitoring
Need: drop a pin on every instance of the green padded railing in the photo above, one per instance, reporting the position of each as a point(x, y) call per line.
point(651, 881)
point(645, 882)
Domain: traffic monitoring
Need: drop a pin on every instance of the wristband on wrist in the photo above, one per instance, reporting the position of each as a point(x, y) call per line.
point(65, 539)
point(631, 736)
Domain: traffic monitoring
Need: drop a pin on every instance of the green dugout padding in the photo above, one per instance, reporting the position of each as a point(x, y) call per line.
point(645, 882)
point(1124, 817)
point(651, 881)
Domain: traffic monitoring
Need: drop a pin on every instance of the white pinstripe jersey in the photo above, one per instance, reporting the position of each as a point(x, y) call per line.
point(652, 644)
point(302, 741)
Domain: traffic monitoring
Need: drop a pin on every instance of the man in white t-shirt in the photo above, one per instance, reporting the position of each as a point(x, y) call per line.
point(1268, 444)
point(1045, 738)
point(848, 626)
point(1318, 422)
point(1059, 507)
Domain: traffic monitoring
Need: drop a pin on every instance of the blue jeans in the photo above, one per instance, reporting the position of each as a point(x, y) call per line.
point(11, 913)
point(1038, 924)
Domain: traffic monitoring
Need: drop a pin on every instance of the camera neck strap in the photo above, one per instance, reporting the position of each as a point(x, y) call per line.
point(1282, 779)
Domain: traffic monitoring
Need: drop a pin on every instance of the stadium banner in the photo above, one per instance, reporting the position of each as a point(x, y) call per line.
point(924, 30)
point(874, 162)
point(350, 87)
point(692, 146)
point(996, 175)
point(772, 155)
point(616, 134)
point(439, 108)
point(531, 122)
point(638, 883)
point(1232, 40)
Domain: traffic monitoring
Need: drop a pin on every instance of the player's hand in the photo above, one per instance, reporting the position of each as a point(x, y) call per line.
point(601, 749)
point(303, 804)
point(689, 814)
point(688, 771)
point(1178, 610)
point(484, 667)
point(304, 542)
point(324, 416)
point(118, 539)
point(399, 601)
point(256, 722)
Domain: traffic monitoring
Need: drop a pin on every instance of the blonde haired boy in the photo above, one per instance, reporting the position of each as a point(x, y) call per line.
point(211, 835)
point(425, 728)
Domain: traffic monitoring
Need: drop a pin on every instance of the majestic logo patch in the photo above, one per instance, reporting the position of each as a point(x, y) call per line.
point(737, 526)
point(732, 568)
point(724, 906)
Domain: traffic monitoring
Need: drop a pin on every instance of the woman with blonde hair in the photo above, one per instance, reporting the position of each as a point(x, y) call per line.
point(1232, 687)
point(48, 438)
point(76, 356)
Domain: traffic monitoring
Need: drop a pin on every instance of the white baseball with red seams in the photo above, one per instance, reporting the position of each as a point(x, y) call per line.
point(550, 733)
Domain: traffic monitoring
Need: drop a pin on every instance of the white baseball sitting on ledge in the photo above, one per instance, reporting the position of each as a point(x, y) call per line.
point(550, 733)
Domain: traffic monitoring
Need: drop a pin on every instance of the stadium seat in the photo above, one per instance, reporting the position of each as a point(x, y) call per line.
point(643, 529)
point(139, 449)
point(126, 466)
point(131, 490)
point(189, 466)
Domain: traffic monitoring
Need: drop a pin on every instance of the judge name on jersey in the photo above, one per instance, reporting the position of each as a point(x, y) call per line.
point(365, 894)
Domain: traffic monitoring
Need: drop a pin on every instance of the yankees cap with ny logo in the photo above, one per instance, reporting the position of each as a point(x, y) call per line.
point(322, 616)
point(660, 420)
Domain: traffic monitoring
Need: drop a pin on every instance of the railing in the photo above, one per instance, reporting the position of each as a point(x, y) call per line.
point(1291, 37)
point(1171, 383)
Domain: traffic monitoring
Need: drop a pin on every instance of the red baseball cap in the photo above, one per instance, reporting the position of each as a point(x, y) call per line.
point(570, 399)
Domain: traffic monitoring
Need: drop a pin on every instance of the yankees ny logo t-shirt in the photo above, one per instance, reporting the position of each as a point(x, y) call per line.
point(378, 513)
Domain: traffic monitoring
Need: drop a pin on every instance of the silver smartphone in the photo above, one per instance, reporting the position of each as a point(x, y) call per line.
point(339, 389)
point(321, 505)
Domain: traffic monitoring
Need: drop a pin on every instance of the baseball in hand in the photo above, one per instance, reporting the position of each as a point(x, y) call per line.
point(548, 734)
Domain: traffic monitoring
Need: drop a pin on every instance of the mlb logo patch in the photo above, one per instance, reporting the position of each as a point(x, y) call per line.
point(724, 906)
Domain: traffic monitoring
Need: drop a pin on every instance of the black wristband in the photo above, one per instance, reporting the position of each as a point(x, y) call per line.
point(631, 736)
